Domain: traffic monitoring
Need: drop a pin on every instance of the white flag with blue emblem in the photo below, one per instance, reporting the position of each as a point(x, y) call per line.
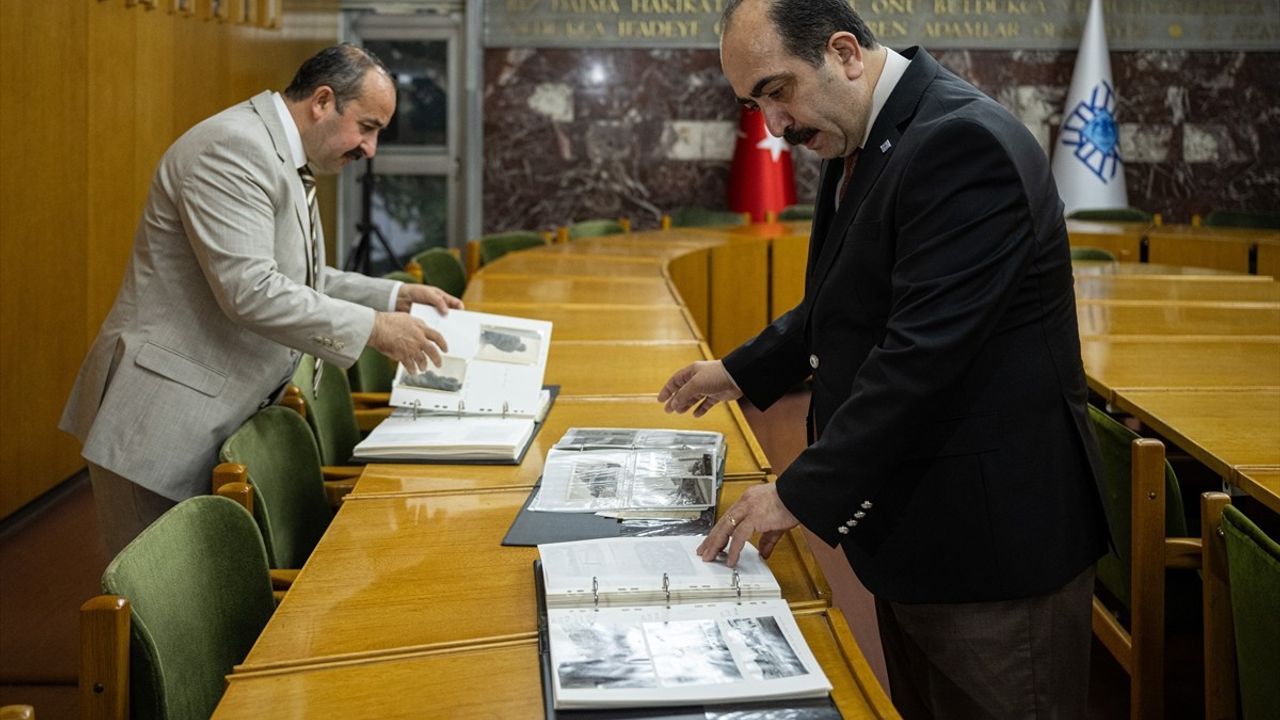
point(1086, 157)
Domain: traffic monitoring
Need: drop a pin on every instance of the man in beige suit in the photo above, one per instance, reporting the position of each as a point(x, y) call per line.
point(227, 286)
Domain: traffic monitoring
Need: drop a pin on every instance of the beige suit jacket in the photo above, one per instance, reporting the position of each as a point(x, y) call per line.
point(213, 307)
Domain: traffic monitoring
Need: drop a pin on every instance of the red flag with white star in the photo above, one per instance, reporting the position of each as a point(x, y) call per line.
point(761, 178)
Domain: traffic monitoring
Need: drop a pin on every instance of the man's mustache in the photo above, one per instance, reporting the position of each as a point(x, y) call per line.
point(355, 154)
point(798, 136)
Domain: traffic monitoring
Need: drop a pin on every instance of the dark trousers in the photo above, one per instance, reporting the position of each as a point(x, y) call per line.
point(1026, 658)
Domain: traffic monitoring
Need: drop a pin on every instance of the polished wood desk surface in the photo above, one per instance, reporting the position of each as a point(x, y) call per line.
point(1158, 319)
point(541, 265)
point(500, 680)
point(1220, 428)
point(1116, 363)
point(603, 322)
point(494, 287)
point(399, 573)
point(1262, 483)
point(618, 367)
point(629, 249)
point(1157, 271)
point(745, 459)
point(1212, 233)
point(1188, 289)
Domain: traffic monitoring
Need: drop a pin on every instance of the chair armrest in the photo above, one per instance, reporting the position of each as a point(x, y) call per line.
point(17, 712)
point(336, 489)
point(231, 480)
point(1182, 553)
point(369, 400)
point(104, 657)
point(282, 579)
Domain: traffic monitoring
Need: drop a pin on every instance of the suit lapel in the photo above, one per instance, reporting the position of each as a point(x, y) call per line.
point(265, 107)
point(892, 121)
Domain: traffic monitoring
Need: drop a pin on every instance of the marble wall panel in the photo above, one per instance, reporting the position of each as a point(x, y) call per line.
point(572, 134)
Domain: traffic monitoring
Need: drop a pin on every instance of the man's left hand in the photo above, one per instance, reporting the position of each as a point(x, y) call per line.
point(425, 295)
point(759, 510)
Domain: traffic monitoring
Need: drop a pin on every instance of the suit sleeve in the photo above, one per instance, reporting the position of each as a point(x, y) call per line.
point(963, 238)
point(359, 288)
point(228, 206)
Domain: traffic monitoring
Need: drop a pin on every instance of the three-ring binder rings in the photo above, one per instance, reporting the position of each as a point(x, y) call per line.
point(642, 622)
point(483, 403)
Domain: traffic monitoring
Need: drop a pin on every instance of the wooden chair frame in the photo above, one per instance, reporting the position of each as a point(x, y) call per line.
point(1140, 649)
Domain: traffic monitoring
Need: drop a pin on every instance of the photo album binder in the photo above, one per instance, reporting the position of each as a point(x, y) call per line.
point(484, 403)
point(629, 470)
point(643, 622)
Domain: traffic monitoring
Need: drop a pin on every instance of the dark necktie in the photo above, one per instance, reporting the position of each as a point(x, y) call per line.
point(313, 253)
point(850, 161)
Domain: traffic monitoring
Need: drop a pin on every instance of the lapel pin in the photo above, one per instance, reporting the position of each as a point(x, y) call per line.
point(884, 146)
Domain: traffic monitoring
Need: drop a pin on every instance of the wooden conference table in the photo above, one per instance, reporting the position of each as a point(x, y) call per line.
point(410, 606)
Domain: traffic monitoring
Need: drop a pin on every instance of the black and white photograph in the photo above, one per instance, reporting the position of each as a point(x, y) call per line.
point(679, 439)
point(594, 479)
point(658, 491)
point(821, 709)
point(601, 655)
point(448, 378)
point(599, 438)
point(766, 654)
point(690, 652)
point(509, 345)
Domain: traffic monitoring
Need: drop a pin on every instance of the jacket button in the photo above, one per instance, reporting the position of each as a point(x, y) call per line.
point(813, 361)
point(842, 530)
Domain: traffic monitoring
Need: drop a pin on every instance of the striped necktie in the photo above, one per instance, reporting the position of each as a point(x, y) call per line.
point(850, 161)
point(313, 254)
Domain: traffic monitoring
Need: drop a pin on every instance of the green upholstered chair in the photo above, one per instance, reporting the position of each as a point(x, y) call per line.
point(276, 453)
point(372, 372)
point(595, 228)
point(702, 217)
point(796, 212)
point(329, 411)
point(1241, 613)
point(185, 601)
point(1092, 253)
point(1125, 214)
point(442, 269)
point(496, 245)
point(1148, 534)
point(1243, 219)
point(401, 275)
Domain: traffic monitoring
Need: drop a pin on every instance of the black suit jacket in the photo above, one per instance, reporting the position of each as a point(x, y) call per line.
point(953, 459)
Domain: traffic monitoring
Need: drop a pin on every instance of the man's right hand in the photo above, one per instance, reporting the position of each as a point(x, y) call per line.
point(705, 381)
point(407, 340)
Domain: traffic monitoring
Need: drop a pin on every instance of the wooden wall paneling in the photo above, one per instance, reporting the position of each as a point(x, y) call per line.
point(1269, 257)
point(691, 275)
point(1220, 253)
point(43, 223)
point(788, 257)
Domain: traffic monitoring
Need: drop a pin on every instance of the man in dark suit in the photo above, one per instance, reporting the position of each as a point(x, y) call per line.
point(951, 454)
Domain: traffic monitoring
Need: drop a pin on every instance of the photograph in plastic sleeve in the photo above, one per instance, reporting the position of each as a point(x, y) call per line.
point(595, 481)
point(765, 651)
point(679, 439)
point(448, 378)
point(690, 652)
point(601, 655)
point(509, 345)
point(820, 709)
point(598, 438)
point(666, 528)
point(652, 492)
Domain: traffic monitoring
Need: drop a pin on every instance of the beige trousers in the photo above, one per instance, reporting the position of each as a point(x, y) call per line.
point(125, 508)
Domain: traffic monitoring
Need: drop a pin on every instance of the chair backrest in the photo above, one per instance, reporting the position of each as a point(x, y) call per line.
point(199, 594)
point(1253, 570)
point(1244, 219)
point(401, 275)
point(796, 212)
point(443, 270)
point(595, 228)
point(496, 245)
point(372, 372)
point(1092, 253)
point(290, 506)
point(329, 412)
point(1115, 442)
point(1124, 214)
point(701, 217)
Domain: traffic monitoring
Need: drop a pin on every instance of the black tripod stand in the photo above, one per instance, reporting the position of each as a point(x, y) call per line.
point(360, 259)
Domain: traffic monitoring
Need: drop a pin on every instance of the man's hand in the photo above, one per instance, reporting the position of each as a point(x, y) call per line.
point(411, 293)
point(759, 510)
point(705, 381)
point(407, 340)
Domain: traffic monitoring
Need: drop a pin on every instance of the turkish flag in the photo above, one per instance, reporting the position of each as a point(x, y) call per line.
point(761, 178)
